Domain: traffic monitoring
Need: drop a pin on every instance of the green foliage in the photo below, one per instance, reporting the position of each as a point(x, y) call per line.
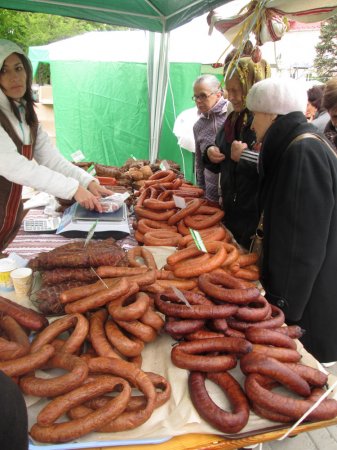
point(325, 62)
point(28, 29)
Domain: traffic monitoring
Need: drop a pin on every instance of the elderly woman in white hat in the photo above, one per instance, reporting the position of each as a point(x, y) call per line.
point(297, 196)
point(22, 139)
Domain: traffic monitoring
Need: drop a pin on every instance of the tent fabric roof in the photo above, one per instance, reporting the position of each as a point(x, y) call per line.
point(151, 15)
point(106, 46)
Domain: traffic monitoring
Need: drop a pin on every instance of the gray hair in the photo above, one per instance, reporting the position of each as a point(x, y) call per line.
point(211, 80)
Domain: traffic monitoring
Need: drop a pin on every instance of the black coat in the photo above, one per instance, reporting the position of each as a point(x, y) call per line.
point(239, 183)
point(298, 192)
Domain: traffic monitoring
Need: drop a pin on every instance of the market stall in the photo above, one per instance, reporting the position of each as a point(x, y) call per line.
point(188, 308)
point(176, 423)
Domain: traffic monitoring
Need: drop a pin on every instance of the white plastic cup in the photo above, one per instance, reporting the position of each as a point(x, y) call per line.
point(22, 281)
point(7, 265)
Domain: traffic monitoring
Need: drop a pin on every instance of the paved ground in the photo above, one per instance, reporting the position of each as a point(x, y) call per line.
point(322, 439)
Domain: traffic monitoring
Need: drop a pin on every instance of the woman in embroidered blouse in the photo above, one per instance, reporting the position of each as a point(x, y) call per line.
point(21, 140)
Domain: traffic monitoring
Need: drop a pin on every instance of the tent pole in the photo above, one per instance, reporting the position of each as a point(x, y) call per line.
point(157, 67)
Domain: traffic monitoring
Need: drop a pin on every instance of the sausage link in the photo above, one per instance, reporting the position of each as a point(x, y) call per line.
point(99, 299)
point(97, 335)
point(126, 346)
point(271, 367)
point(27, 363)
point(26, 317)
point(39, 387)
point(18, 343)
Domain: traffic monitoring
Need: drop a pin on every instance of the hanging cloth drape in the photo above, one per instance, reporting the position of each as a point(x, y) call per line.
point(157, 75)
point(267, 19)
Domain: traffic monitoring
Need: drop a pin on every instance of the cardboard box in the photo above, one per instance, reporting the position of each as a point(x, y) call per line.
point(46, 94)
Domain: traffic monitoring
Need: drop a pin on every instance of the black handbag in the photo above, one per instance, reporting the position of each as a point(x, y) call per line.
point(256, 245)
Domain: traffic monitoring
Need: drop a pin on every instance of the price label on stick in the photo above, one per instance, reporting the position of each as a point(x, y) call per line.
point(77, 156)
point(181, 296)
point(198, 240)
point(91, 170)
point(179, 201)
point(164, 165)
point(90, 233)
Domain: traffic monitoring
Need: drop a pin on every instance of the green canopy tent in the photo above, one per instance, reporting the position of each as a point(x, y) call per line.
point(100, 91)
point(160, 16)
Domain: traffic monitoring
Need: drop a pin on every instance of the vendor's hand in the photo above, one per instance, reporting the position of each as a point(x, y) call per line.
point(237, 148)
point(214, 154)
point(97, 190)
point(87, 199)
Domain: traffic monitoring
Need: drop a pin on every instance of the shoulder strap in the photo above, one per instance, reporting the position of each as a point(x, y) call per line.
point(313, 136)
point(8, 127)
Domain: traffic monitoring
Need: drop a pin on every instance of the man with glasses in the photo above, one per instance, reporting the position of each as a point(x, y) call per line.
point(212, 108)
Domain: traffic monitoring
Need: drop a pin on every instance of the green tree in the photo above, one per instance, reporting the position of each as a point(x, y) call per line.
point(28, 29)
point(325, 61)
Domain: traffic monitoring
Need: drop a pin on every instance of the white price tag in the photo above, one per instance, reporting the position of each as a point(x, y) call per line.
point(181, 296)
point(164, 165)
point(198, 240)
point(90, 233)
point(77, 156)
point(133, 157)
point(179, 201)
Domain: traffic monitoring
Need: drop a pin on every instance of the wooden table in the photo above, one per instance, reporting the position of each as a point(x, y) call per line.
point(216, 442)
point(30, 245)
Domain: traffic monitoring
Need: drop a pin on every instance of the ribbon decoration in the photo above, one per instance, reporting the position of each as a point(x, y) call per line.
point(267, 20)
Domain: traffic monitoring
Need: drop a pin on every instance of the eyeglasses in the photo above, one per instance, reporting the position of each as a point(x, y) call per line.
point(202, 97)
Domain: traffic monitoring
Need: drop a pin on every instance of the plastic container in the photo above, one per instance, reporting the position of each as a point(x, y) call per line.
point(6, 267)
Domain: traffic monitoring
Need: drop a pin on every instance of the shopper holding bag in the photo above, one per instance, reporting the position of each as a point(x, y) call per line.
point(298, 197)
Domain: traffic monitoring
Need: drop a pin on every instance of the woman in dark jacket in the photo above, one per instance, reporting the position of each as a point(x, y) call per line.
point(234, 155)
point(330, 103)
point(298, 196)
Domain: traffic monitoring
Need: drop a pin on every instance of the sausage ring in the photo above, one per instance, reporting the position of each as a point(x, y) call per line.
point(146, 225)
point(192, 355)
point(143, 253)
point(226, 422)
point(276, 320)
point(225, 287)
point(162, 237)
point(190, 208)
point(259, 309)
point(128, 347)
point(45, 430)
point(136, 377)
point(17, 344)
point(295, 408)
point(73, 343)
point(39, 387)
point(214, 262)
point(97, 335)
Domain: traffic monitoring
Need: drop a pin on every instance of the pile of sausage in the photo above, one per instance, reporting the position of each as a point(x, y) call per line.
point(71, 266)
point(96, 390)
point(217, 315)
point(219, 319)
point(160, 222)
point(227, 320)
